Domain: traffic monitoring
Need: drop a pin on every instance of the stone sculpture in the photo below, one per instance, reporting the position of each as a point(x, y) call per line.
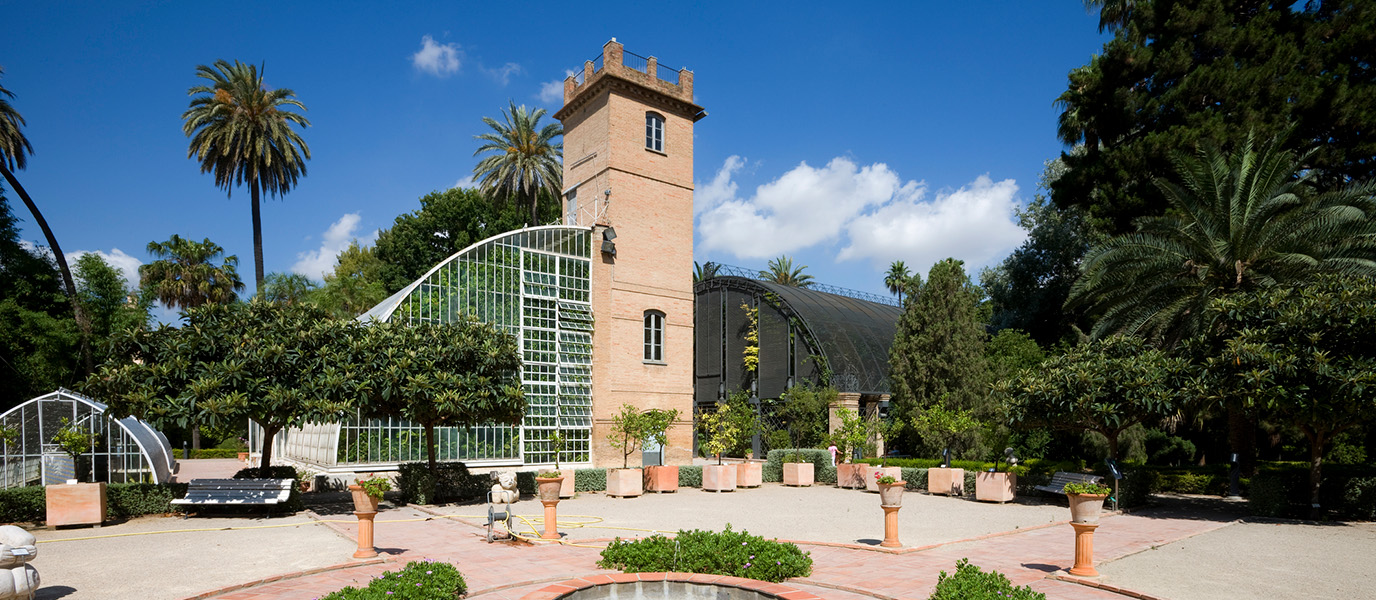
point(504, 490)
point(17, 578)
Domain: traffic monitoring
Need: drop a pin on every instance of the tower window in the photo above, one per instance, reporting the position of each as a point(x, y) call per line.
point(654, 336)
point(654, 132)
point(572, 203)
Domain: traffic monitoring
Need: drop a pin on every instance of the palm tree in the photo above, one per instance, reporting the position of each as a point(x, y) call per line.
point(782, 272)
point(898, 279)
point(241, 132)
point(1248, 221)
point(14, 148)
point(287, 288)
point(184, 276)
point(703, 272)
point(524, 157)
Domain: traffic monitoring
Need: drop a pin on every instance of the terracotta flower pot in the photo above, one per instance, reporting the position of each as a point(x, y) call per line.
point(625, 483)
point(995, 487)
point(851, 475)
point(872, 475)
point(362, 501)
point(946, 481)
point(566, 490)
point(891, 494)
point(799, 474)
point(662, 478)
point(548, 488)
point(1085, 508)
point(719, 478)
point(243, 457)
point(749, 474)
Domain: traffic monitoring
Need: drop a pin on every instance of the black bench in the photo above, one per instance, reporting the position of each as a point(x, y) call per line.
point(236, 492)
point(1061, 478)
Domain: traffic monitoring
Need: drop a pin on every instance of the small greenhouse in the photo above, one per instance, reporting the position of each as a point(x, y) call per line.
point(532, 283)
point(125, 450)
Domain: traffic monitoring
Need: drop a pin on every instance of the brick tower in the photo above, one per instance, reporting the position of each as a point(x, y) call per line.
point(628, 173)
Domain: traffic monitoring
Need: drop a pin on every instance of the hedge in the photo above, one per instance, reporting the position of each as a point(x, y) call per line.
point(1347, 493)
point(208, 453)
point(690, 476)
point(773, 469)
point(123, 500)
point(589, 480)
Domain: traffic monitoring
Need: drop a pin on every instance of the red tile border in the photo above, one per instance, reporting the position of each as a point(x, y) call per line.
point(266, 580)
point(1068, 578)
point(551, 592)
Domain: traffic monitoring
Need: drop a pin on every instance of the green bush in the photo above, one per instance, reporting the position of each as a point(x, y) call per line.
point(970, 583)
point(590, 480)
point(737, 554)
point(419, 580)
point(773, 469)
point(23, 504)
point(825, 474)
point(915, 479)
point(415, 483)
point(135, 499)
point(208, 453)
point(276, 472)
point(690, 476)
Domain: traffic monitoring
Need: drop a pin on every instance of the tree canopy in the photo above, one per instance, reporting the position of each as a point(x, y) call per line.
point(186, 276)
point(783, 272)
point(523, 158)
point(1181, 75)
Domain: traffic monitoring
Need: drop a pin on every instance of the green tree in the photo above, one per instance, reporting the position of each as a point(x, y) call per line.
point(1304, 354)
point(356, 283)
point(803, 411)
point(898, 279)
point(185, 277)
point(446, 223)
point(14, 148)
point(1242, 222)
point(287, 288)
point(1105, 386)
point(782, 272)
point(1009, 352)
point(110, 304)
point(462, 374)
point(241, 133)
point(937, 356)
point(522, 159)
point(654, 429)
point(279, 365)
point(628, 428)
point(1180, 75)
point(38, 337)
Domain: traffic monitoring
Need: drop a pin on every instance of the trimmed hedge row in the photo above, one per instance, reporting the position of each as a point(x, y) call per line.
point(1346, 493)
point(124, 500)
point(208, 453)
point(773, 469)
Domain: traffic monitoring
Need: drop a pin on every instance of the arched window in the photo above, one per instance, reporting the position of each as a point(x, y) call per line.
point(654, 132)
point(654, 336)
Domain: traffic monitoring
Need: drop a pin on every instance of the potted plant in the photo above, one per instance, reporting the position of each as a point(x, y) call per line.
point(655, 424)
point(948, 428)
point(625, 436)
point(719, 433)
point(566, 489)
point(548, 484)
point(749, 472)
point(75, 503)
point(997, 486)
point(890, 489)
point(1086, 501)
point(368, 492)
point(850, 436)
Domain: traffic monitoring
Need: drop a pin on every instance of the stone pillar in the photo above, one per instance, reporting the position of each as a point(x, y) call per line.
point(891, 527)
point(551, 520)
point(1084, 550)
point(843, 400)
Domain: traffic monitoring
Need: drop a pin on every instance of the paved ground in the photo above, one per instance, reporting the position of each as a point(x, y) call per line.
point(1199, 553)
point(207, 468)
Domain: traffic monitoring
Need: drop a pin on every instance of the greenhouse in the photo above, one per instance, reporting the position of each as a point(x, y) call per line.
point(533, 283)
point(125, 451)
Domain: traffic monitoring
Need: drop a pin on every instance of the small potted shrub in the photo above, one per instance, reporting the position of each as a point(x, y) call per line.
point(749, 472)
point(1086, 501)
point(890, 489)
point(75, 503)
point(719, 433)
point(655, 427)
point(797, 472)
point(566, 489)
point(368, 492)
point(850, 436)
point(946, 427)
point(625, 436)
point(548, 484)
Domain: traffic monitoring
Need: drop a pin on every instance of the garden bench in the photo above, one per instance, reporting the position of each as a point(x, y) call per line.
point(1060, 478)
point(236, 492)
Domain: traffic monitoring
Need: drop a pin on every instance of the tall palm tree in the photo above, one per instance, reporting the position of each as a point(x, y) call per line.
point(703, 272)
point(1248, 221)
point(523, 157)
point(14, 148)
point(782, 272)
point(185, 276)
point(897, 279)
point(241, 132)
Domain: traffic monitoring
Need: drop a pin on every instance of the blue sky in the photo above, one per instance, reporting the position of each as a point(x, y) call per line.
point(845, 135)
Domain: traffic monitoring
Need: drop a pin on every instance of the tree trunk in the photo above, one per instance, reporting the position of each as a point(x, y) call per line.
point(1316, 442)
point(1242, 438)
point(434, 464)
point(195, 436)
point(534, 201)
point(257, 243)
point(83, 324)
point(265, 467)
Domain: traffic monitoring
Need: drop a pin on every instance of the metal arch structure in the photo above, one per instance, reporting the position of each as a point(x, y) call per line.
point(131, 451)
point(852, 335)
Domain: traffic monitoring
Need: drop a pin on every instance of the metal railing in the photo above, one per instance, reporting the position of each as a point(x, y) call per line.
point(597, 63)
point(669, 76)
point(635, 61)
point(734, 271)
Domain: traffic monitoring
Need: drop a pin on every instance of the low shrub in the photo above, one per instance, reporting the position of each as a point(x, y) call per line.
point(916, 479)
point(208, 453)
point(773, 469)
point(737, 554)
point(135, 499)
point(690, 476)
point(23, 504)
point(274, 472)
point(419, 580)
point(825, 474)
point(970, 583)
point(417, 485)
point(590, 480)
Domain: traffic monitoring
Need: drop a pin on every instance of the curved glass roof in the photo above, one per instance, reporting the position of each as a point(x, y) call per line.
point(853, 334)
point(126, 450)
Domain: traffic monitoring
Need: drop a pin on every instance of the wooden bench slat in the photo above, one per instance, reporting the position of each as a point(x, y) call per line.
point(236, 491)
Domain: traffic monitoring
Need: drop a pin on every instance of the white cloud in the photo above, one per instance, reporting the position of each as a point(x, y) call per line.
point(974, 223)
point(316, 263)
point(870, 210)
point(465, 182)
point(553, 91)
point(125, 264)
point(503, 73)
point(440, 60)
